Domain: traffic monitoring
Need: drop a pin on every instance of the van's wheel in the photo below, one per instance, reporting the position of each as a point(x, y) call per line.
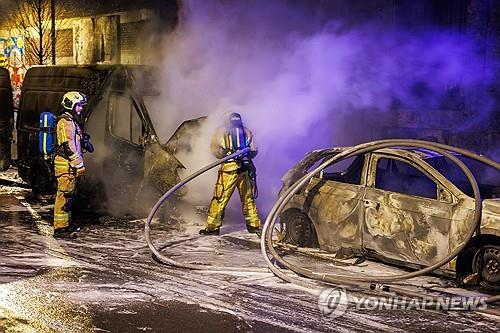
point(486, 263)
point(298, 229)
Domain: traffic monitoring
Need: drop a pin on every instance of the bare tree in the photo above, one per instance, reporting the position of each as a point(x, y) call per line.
point(35, 20)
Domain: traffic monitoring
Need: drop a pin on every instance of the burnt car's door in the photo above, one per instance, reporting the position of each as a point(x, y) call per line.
point(124, 159)
point(334, 203)
point(408, 211)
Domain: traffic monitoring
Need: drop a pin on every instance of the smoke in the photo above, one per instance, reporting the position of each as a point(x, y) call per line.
point(300, 80)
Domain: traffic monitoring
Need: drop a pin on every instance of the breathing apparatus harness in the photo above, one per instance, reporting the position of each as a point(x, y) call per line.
point(85, 142)
point(47, 137)
point(235, 139)
point(70, 100)
point(47, 133)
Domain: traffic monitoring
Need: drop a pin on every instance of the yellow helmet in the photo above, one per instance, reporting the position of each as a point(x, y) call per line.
point(70, 99)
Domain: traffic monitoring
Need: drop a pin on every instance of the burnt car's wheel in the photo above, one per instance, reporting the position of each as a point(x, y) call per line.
point(486, 263)
point(298, 229)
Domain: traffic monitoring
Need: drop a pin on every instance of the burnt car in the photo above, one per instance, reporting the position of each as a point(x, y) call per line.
point(129, 168)
point(408, 207)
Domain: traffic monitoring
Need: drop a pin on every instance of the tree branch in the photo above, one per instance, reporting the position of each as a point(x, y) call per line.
point(33, 20)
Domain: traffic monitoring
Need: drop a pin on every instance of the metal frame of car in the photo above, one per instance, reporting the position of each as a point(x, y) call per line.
point(414, 158)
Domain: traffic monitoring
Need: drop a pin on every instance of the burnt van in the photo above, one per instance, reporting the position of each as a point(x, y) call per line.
point(6, 119)
point(129, 168)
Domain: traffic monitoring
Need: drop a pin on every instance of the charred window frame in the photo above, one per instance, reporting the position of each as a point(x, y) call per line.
point(400, 176)
point(487, 177)
point(125, 121)
point(352, 174)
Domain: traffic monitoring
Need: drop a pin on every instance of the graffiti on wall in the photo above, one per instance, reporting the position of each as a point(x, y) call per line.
point(12, 58)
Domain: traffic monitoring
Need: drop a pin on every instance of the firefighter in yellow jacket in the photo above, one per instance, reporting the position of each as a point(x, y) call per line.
point(68, 162)
point(235, 173)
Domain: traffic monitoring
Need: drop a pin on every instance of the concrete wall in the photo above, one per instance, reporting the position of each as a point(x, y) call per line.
point(112, 32)
point(479, 19)
point(118, 38)
point(83, 41)
point(107, 43)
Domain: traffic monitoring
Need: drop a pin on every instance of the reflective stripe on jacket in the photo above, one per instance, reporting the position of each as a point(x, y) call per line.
point(221, 144)
point(68, 131)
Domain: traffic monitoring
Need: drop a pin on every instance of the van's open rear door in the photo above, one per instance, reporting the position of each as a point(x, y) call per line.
point(6, 118)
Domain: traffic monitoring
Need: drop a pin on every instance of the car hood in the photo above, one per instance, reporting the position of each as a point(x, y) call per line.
point(311, 158)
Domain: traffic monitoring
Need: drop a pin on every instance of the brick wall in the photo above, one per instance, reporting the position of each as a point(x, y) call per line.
point(130, 34)
point(78, 8)
point(64, 44)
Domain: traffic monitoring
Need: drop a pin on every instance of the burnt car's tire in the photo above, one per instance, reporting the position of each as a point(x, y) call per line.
point(482, 256)
point(298, 229)
point(486, 263)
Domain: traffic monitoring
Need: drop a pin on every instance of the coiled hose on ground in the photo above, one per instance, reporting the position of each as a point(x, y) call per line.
point(267, 243)
point(169, 261)
point(355, 281)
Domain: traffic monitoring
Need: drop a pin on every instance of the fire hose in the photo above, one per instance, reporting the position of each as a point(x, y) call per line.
point(354, 281)
point(169, 261)
point(267, 242)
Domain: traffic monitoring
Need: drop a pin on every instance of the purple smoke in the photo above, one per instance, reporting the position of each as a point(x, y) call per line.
point(300, 80)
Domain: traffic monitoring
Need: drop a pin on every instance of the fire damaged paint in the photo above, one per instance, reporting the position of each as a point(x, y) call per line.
point(180, 140)
point(491, 216)
point(398, 226)
point(161, 165)
point(161, 168)
point(338, 205)
point(406, 229)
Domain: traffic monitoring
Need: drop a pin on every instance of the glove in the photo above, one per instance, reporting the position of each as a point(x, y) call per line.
point(222, 152)
point(252, 171)
point(247, 165)
point(87, 144)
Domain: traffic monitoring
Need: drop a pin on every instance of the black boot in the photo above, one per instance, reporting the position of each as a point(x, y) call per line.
point(206, 232)
point(65, 233)
point(254, 230)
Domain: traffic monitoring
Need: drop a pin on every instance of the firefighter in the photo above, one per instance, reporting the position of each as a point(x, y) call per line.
point(68, 162)
point(239, 172)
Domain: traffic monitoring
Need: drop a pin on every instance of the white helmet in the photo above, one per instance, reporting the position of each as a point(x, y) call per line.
point(70, 99)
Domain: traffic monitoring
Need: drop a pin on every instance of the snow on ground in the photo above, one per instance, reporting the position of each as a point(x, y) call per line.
point(106, 280)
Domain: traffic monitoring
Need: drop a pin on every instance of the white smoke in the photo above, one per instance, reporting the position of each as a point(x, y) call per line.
point(300, 82)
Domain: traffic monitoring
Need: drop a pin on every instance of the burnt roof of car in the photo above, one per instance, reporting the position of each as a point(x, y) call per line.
point(424, 153)
point(421, 152)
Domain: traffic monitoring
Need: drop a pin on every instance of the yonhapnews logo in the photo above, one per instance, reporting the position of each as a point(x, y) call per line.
point(334, 302)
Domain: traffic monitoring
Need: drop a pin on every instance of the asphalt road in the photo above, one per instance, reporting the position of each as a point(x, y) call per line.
point(107, 281)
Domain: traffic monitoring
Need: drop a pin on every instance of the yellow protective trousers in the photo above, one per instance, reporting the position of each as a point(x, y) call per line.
point(227, 181)
point(66, 188)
